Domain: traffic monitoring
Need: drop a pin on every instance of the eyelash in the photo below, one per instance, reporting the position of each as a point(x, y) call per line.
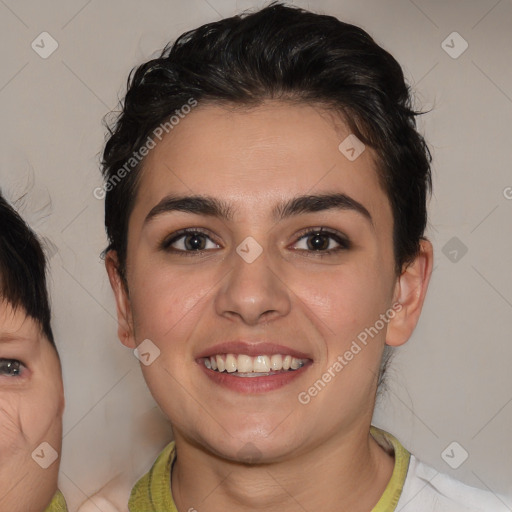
point(167, 242)
point(5, 364)
point(344, 243)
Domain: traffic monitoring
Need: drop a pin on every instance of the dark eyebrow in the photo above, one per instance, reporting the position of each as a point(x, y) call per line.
point(201, 205)
point(320, 202)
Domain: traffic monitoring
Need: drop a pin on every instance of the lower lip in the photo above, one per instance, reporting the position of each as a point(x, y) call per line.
point(253, 385)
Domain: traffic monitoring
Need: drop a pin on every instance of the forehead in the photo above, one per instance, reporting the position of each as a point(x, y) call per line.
point(15, 324)
point(258, 156)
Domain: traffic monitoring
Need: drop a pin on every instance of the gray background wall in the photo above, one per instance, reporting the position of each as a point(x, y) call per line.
point(451, 382)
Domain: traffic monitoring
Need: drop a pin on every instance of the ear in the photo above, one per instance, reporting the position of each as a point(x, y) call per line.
point(124, 309)
point(410, 290)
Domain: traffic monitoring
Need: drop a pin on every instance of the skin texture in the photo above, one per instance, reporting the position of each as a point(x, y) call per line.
point(31, 407)
point(318, 455)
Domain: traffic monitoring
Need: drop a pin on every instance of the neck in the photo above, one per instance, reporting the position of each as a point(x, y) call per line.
point(348, 472)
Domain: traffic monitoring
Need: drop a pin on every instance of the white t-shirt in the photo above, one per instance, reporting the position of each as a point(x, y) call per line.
point(427, 490)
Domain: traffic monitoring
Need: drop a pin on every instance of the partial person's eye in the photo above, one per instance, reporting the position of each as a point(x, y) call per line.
point(322, 241)
point(11, 367)
point(189, 240)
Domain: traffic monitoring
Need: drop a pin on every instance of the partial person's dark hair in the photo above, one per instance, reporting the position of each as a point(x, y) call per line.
point(23, 269)
point(288, 54)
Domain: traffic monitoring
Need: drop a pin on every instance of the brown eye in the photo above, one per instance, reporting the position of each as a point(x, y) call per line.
point(190, 241)
point(194, 242)
point(321, 241)
point(318, 242)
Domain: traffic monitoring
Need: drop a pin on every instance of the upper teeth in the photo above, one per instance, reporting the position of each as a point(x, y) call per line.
point(246, 364)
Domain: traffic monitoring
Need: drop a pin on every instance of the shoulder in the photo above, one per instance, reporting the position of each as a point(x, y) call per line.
point(428, 490)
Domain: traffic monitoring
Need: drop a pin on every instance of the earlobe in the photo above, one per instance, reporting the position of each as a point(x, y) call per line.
point(124, 312)
point(410, 292)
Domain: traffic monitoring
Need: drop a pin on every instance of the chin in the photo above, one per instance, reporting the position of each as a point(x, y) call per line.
point(250, 448)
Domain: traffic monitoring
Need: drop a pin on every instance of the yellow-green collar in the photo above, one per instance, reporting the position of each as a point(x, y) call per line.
point(389, 499)
point(58, 504)
point(152, 493)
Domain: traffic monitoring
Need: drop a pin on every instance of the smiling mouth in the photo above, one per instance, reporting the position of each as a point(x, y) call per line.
point(242, 365)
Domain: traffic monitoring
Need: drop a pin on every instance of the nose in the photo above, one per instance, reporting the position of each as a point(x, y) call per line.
point(253, 292)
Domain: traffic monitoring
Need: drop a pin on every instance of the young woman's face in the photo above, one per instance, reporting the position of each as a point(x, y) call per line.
point(252, 276)
point(31, 406)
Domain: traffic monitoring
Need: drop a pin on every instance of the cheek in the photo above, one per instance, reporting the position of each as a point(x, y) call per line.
point(43, 418)
point(24, 424)
point(44, 405)
point(345, 300)
point(164, 300)
point(12, 439)
point(30, 418)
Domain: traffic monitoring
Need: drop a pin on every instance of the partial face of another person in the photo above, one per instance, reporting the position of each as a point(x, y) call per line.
point(251, 264)
point(31, 407)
